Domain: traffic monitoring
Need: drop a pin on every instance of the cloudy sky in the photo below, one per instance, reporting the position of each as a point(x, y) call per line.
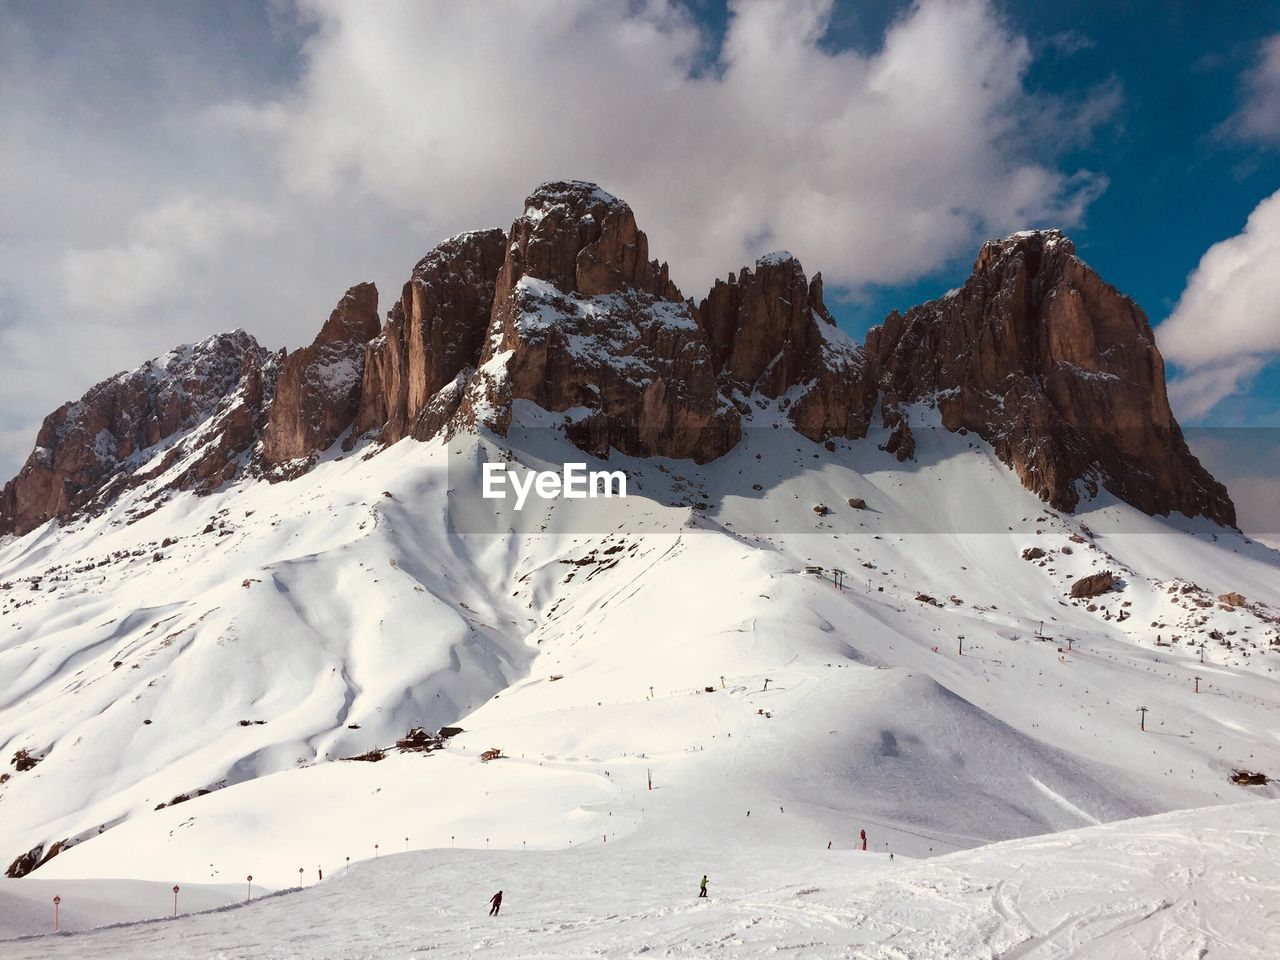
point(172, 170)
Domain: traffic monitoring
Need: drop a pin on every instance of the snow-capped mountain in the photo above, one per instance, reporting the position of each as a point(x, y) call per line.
point(920, 586)
point(1056, 370)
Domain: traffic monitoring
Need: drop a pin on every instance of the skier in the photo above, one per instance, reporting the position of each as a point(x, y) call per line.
point(702, 887)
point(864, 838)
point(496, 900)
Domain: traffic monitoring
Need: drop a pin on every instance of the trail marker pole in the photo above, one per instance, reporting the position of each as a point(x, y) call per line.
point(299, 878)
point(766, 683)
point(406, 844)
point(1197, 684)
point(1202, 653)
point(961, 640)
point(649, 774)
point(249, 880)
point(175, 899)
point(1142, 722)
point(56, 921)
point(451, 839)
point(375, 851)
point(1070, 644)
point(348, 865)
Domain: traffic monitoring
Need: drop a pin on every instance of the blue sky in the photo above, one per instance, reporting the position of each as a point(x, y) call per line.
point(170, 171)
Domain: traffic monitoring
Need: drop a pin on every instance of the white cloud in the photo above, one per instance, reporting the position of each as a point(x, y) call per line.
point(157, 186)
point(1257, 119)
point(1226, 325)
point(168, 245)
point(876, 168)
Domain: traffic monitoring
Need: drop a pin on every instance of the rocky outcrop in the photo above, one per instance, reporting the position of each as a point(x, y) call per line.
point(1057, 370)
point(433, 333)
point(584, 322)
point(137, 425)
point(317, 395)
point(1093, 585)
point(769, 333)
point(33, 859)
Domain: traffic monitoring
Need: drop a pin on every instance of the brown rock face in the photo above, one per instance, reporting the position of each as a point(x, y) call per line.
point(318, 392)
point(1057, 370)
point(113, 437)
point(582, 240)
point(583, 321)
point(1093, 585)
point(769, 332)
point(434, 332)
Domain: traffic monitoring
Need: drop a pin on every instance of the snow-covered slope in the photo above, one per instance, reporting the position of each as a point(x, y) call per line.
point(243, 642)
point(1191, 884)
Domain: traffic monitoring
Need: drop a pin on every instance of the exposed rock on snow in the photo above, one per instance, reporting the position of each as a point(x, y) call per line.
point(34, 858)
point(769, 332)
point(187, 415)
point(1057, 370)
point(434, 332)
point(583, 319)
point(318, 393)
point(1093, 585)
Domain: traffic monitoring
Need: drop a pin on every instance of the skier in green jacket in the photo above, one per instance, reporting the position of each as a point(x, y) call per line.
point(702, 887)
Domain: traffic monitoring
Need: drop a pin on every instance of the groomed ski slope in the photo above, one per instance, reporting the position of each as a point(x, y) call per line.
point(1193, 884)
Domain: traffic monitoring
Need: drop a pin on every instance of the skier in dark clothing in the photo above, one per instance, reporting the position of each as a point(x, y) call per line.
point(702, 887)
point(496, 900)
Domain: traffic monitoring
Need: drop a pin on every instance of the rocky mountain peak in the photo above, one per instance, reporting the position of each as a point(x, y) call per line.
point(760, 323)
point(1057, 370)
point(584, 320)
point(318, 393)
point(433, 335)
point(135, 425)
point(582, 240)
point(1028, 246)
point(350, 318)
